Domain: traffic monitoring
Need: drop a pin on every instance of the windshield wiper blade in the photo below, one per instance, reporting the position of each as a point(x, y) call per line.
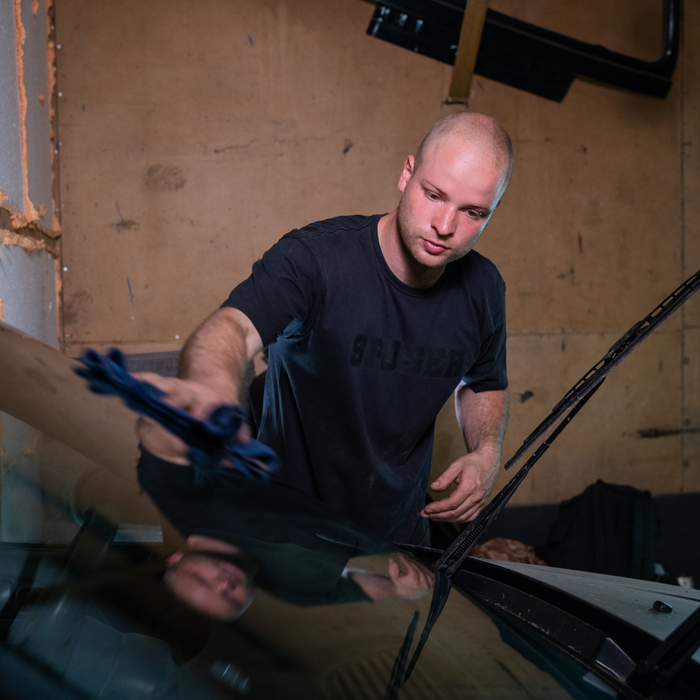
point(610, 360)
point(562, 414)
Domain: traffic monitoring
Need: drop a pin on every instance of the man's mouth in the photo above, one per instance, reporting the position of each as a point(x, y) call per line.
point(433, 248)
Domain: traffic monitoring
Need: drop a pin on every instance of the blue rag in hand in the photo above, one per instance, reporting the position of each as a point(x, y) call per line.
point(210, 442)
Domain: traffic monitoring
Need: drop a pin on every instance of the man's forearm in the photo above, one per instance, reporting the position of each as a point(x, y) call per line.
point(217, 353)
point(211, 366)
point(483, 417)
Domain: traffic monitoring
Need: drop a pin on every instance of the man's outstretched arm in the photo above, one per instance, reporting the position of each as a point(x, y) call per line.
point(212, 363)
point(217, 353)
point(482, 417)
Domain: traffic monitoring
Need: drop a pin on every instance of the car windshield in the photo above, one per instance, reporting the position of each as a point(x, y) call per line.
point(116, 576)
point(103, 601)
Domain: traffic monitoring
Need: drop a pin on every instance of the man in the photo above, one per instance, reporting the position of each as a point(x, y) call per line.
point(371, 323)
point(216, 578)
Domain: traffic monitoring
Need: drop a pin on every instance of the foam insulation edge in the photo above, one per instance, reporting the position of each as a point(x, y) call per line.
point(29, 209)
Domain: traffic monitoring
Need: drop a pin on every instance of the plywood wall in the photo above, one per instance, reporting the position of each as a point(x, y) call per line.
point(194, 135)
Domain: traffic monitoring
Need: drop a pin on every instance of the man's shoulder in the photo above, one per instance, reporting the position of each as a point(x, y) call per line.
point(341, 226)
point(475, 266)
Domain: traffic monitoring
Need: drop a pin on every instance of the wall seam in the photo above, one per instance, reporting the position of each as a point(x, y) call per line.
point(52, 59)
point(683, 372)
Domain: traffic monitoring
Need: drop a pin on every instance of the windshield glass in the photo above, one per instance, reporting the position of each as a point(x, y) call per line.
point(118, 569)
point(295, 597)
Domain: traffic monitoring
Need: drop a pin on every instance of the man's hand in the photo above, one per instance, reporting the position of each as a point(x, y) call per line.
point(410, 579)
point(482, 417)
point(211, 364)
point(474, 475)
point(195, 398)
point(407, 580)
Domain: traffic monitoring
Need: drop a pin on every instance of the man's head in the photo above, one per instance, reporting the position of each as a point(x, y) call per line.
point(452, 187)
point(215, 580)
point(474, 127)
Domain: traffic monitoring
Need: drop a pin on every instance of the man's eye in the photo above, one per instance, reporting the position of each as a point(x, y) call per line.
point(432, 196)
point(473, 214)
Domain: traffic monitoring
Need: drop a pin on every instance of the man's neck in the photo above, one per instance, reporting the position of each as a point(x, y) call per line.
point(399, 260)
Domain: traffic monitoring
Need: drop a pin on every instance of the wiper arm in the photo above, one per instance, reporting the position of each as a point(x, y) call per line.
point(562, 414)
point(611, 359)
point(459, 550)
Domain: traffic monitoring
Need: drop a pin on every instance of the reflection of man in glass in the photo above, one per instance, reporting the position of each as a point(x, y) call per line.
point(214, 577)
point(297, 549)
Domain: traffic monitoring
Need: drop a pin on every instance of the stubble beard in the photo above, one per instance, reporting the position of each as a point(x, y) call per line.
point(411, 240)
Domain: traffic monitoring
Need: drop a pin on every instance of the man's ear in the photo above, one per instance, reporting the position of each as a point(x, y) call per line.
point(407, 172)
point(174, 559)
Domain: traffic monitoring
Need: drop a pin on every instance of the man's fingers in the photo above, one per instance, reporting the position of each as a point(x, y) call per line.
point(456, 506)
point(160, 442)
point(461, 496)
point(178, 392)
point(465, 518)
point(166, 384)
point(446, 478)
point(473, 474)
point(415, 575)
point(196, 398)
point(459, 515)
point(151, 377)
point(244, 434)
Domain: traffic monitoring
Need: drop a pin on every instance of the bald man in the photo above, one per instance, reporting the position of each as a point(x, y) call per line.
point(371, 323)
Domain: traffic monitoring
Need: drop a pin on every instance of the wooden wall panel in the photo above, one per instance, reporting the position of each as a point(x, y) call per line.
point(196, 134)
point(690, 463)
point(199, 139)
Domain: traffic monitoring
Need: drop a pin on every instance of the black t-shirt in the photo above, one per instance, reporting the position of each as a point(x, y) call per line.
point(360, 365)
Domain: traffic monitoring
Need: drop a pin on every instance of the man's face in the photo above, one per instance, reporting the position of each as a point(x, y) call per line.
point(447, 201)
point(213, 586)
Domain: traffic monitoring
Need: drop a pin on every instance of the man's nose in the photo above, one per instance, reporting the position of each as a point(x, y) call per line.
point(445, 221)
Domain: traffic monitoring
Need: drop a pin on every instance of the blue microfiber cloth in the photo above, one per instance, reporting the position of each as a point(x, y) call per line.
point(210, 441)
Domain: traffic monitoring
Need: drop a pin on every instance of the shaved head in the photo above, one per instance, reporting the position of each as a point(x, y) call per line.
point(450, 189)
point(474, 128)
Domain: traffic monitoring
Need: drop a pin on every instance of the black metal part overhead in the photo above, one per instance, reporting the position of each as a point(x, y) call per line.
point(523, 55)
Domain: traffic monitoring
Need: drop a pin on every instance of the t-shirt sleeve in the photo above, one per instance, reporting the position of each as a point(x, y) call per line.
point(488, 373)
point(282, 295)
